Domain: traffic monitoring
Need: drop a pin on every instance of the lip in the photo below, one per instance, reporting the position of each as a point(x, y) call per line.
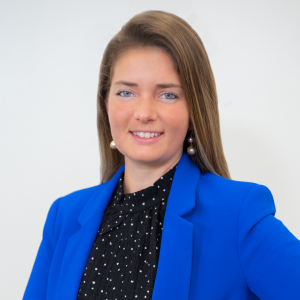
point(146, 131)
point(145, 140)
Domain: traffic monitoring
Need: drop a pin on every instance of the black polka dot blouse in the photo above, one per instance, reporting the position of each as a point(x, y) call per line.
point(123, 261)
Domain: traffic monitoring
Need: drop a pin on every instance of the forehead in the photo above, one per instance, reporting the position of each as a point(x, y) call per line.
point(145, 63)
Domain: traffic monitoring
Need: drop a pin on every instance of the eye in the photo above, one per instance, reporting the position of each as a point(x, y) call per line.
point(170, 96)
point(124, 93)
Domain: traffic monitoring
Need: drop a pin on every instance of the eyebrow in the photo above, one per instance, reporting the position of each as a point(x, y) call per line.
point(159, 85)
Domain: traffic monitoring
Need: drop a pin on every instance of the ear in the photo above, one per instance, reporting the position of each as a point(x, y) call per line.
point(191, 127)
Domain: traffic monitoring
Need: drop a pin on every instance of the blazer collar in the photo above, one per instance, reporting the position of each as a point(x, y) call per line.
point(100, 198)
point(183, 187)
point(176, 253)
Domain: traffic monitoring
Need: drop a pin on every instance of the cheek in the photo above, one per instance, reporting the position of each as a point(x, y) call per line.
point(178, 119)
point(118, 116)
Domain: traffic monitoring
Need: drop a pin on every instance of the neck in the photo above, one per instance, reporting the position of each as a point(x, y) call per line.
point(139, 175)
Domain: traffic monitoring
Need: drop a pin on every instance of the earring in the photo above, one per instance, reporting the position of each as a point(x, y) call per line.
point(191, 150)
point(112, 145)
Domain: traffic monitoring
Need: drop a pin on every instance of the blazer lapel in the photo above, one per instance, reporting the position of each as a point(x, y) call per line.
point(80, 244)
point(176, 253)
point(175, 258)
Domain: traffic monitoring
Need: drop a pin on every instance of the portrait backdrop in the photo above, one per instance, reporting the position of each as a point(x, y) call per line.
point(50, 56)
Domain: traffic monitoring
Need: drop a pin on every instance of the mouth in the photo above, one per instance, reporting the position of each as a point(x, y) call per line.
point(146, 137)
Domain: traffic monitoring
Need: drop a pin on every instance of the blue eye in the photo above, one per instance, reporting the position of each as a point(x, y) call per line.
point(124, 95)
point(170, 94)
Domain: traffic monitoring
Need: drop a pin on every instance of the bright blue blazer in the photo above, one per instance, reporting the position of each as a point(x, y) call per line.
point(220, 241)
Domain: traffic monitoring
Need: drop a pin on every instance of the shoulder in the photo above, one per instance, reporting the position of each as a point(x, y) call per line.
point(69, 207)
point(210, 183)
point(228, 194)
point(78, 198)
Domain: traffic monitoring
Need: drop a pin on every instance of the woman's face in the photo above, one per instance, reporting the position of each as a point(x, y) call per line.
point(145, 99)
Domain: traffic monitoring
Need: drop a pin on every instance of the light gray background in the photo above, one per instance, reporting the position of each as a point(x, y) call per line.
point(50, 55)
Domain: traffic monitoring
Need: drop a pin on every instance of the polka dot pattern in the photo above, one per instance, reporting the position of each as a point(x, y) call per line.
point(123, 261)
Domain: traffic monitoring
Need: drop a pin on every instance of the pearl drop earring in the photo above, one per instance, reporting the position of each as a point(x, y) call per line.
point(191, 150)
point(112, 145)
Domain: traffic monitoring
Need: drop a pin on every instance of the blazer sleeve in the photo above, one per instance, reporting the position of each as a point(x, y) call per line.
point(37, 285)
point(269, 252)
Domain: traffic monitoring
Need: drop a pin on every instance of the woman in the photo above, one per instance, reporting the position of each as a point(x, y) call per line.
point(166, 222)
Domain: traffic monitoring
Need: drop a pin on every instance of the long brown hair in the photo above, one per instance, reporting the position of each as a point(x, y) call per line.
point(176, 37)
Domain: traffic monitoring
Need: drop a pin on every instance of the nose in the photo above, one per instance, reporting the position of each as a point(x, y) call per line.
point(145, 109)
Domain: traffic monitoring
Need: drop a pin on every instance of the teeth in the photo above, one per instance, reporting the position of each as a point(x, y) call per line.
point(146, 135)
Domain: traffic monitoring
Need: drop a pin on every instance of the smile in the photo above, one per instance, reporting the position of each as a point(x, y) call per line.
point(146, 138)
point(146, 135)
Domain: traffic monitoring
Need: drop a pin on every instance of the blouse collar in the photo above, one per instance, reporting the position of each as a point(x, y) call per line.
point(143, 199)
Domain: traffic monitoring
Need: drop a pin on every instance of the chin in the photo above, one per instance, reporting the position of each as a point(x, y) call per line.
point(145, 157)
